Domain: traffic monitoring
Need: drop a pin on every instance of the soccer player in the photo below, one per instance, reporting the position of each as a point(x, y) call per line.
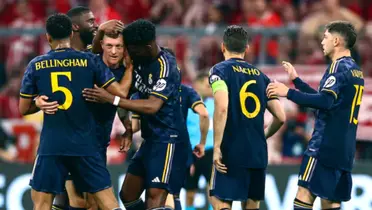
point(327, 163)
point(189, 99)
point(240, 148)
point(68, 141)
point(159, 165)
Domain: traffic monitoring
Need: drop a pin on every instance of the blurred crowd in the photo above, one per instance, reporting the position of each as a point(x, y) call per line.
point(307, 17)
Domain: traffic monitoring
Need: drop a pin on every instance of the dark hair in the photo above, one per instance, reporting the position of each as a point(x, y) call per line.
point(139, 32)
point(77, 11)
point(345, 29)
point(235, 38)
point(59, 26)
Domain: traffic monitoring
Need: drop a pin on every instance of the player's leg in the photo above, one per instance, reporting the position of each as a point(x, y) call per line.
point(177, 202)
point(77, 199)
point(256, 188)
point(169, 177)
point(48, 177)
point(205, 166)
point(133, 185)
point(91, 202)
point(304, 198)
point(191, 185)
point(90, 175)
point(169, 202)
point(342, 188)
point(60, 202)
point(228, 187)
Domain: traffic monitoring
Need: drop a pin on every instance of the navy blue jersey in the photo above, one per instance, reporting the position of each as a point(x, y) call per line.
point(189, 99)
point(334, 137)
point(162, 79)
point(105, 113)
point(62, 75)
point(244, 143)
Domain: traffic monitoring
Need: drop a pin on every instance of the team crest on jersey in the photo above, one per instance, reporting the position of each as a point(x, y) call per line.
point(150, 79)
point(160, 85)
point(330, 82)
point(214, 78)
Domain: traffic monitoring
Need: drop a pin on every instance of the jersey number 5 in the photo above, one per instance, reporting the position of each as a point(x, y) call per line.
point(244, 94)
point(356, 102)
point(55, 88)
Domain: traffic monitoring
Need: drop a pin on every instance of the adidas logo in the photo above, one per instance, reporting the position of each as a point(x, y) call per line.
point(156, 179)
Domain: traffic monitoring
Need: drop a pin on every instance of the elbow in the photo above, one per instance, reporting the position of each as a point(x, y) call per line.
point(282, 119)
point(204, 114)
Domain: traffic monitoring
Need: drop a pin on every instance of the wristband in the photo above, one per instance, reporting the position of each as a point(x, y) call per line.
point(116, 101)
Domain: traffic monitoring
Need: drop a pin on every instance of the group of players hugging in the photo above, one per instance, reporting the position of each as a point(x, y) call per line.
point(80, 88)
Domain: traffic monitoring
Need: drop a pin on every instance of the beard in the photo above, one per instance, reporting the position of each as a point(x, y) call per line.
point(86, 36)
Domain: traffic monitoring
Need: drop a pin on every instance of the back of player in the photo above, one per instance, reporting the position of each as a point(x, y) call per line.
point(240, 148)
point(244, 142)
point(68, 139)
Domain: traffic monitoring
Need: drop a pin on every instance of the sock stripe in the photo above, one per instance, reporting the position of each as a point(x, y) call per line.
point(302, 204)
point(56, 208)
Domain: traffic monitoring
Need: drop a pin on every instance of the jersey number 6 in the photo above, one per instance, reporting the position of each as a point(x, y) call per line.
point(244, 94)
point(55, 87)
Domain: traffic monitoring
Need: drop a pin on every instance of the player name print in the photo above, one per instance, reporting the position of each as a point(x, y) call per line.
point(140, 85)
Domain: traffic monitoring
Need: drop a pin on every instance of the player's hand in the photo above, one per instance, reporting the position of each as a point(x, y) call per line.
point(97, 95)
point(276, 89)
point(112, 26)
point(192, 170)
point(217, 161)
point(288, 67)
point(199, 150)
point(126, 141)
point(47, 107)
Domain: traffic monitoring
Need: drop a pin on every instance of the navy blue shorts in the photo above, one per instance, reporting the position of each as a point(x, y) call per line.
point(325, 182)
point(162, 165)
point(88, 173)
point(103, 153)
point(238, 184)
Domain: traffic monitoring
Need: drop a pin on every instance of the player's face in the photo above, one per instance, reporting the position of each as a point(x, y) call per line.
point(113, 49)
point(328, 43)
point(140, 54)
point(87, 27)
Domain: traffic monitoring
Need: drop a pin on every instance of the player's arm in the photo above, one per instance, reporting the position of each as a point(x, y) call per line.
point(28, 92)
point(136, 124)
point(126, 81)
point(111, 26)
point(277, 110)
point(203, 121)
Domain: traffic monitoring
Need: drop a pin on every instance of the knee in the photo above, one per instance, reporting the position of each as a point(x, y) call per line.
point(77, 202)
point(305, 195)
point(156, 197)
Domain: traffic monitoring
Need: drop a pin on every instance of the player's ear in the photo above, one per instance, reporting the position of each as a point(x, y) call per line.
point(75, 28)
point(246, 49)
point(223, 49)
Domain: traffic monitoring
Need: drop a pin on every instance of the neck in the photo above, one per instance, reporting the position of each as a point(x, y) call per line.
point(110, 65)
point(229, 55)
point(155, 51)
point(340, 53)
point(60, 44)
point(77, 43)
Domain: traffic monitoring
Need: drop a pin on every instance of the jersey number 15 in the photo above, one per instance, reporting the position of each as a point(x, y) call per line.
point(243, 95)
point(55, 88)
point(356, 102)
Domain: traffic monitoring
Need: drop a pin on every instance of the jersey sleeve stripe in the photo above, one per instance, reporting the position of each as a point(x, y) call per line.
point(161, 68)
point(196, 103)
point(330, 91)
point(24, 95)
point(333, 67)
point(165, 67)
point(166, 70)
point(108, 82)
point(158, 94)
